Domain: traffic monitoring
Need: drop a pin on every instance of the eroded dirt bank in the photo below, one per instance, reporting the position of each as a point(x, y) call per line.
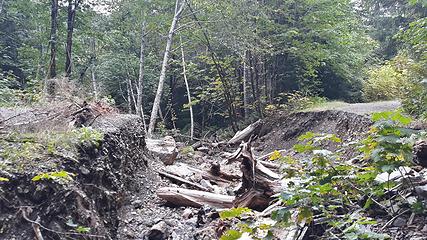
point(106, 175)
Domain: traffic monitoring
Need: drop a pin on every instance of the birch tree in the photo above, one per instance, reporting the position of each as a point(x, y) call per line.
point(184, 73)
point(179, 7)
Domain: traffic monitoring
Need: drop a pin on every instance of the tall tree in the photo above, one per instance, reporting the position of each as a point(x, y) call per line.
point(184, 73)
point(140, 89)
point(179, 7)
point(73, 6)
point(53, 37)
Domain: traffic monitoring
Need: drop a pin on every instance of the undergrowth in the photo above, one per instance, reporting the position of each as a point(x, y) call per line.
point(22, 151)
point(338, 195)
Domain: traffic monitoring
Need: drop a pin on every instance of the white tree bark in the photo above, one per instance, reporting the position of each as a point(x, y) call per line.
point(188, 92)
point(139, 107)
point(179, 7)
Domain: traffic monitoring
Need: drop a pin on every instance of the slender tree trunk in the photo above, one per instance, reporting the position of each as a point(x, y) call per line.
point(188, 92)
point(72, 9)
point(179, 7)
point(132, 93)
point(257, 85)
point(140, 89)
point(53, 34)
point(129, 100)
point(245, 87)
point(93, 68)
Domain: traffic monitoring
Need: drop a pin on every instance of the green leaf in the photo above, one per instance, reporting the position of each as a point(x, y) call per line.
point(231, 235)
point(275, 155)
point(281, 215)
point(418, 207)
point(306, 214)
point(233, 213)
point(2, 179)
point(81, 229)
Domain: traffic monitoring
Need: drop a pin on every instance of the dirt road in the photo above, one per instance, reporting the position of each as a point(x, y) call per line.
point(360, 108)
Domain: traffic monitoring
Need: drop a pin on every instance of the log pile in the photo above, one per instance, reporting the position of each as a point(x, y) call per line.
point(257, 183)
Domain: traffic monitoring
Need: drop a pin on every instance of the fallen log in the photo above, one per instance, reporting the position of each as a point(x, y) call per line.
point(246, 133)
point(214, 174)
point(194, 198)
point(182, 180)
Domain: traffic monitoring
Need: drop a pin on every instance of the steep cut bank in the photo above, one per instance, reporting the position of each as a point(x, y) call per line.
point(281, 131)
point(105, 174)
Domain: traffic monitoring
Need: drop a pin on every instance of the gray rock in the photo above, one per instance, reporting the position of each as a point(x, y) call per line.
point(421, 191)
point(84, 170)
point(188, 213)
point(158, 232)
point(399, 222)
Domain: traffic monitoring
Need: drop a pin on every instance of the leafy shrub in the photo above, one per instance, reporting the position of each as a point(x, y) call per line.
point(387, 82)
point(401, 78)
point(295, 101)
point(11, 94)
point(414, 99)
point(332, 188)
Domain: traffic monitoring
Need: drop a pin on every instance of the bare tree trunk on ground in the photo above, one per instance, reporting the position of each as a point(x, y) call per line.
point(188, 92)
point(52, 41)
point(140, 89)
point(179, 7)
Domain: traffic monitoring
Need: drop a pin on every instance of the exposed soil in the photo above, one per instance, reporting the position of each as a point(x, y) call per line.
point(281, 131)
point(114, 191)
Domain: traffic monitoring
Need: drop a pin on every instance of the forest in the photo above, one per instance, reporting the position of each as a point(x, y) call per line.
point(110, 108)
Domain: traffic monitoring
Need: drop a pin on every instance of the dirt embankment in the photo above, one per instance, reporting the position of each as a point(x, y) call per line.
point(106, 175)
point(281, 131)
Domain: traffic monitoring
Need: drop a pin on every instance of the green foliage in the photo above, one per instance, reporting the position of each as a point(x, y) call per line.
point(24, 151)
point(295, 101)
point(188, 150)
point(88, 135)
point(329, 186)
point(388, 81)
point(78, 228)
point(231, 235)
point(2, 179)
point(389, 145)
point(61, 176)
point(233, 213)
point(81, 229)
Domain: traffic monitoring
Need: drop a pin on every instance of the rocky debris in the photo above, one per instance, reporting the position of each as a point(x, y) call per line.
point(422, 191)
point(164, 149)
point(158, 232)
point(420, 153)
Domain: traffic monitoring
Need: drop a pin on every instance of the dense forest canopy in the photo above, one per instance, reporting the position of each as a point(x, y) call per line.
point(242, 57)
